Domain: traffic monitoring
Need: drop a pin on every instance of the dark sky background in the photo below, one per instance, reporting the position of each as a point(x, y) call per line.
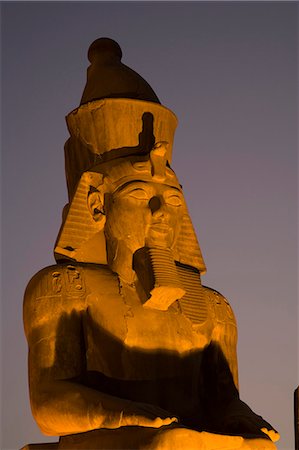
point(228, 71)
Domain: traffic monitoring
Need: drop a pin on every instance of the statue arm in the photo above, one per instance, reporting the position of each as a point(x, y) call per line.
point(60, 403)
point(221, 375)
point(63, 407)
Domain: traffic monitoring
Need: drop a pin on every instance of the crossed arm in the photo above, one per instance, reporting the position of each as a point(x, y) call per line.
point(60, 403)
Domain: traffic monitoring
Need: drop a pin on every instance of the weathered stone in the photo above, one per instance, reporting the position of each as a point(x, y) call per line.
point(127, 348)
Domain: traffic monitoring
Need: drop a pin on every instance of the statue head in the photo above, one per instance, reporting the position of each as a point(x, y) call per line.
point(138, 203)
point(122, 206)
point(124, 196)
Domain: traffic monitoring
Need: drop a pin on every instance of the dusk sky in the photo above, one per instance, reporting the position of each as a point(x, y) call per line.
point(228, 70)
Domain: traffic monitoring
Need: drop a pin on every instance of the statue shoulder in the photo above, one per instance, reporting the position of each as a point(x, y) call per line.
point(222, 310)
point(62, 289)
point(53, 281)
point(71, 279)
point(41, 285)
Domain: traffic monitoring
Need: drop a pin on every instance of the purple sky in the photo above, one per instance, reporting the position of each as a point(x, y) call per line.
point(228, 71)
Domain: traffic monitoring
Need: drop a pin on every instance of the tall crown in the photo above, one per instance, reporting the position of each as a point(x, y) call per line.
point(108, 77)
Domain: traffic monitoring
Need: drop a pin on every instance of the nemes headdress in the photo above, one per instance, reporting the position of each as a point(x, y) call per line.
point(120, 133)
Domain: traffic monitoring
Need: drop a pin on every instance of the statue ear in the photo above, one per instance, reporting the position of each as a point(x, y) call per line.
point(95, 205)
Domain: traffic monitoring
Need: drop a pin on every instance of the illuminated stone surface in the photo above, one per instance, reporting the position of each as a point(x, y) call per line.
point(127, 349)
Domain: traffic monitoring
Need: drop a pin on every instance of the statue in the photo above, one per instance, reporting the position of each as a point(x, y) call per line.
point(127, 349)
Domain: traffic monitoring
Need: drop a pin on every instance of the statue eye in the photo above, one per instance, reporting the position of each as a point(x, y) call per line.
point(174, 200)
point(139, 194)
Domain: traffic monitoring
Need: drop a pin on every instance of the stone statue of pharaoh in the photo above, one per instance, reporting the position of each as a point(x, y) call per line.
point(127, 349)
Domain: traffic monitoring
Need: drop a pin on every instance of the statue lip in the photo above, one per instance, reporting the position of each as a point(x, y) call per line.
point(162, 227)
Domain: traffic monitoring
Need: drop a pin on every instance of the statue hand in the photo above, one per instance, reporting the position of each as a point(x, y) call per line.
point(240, 419)
point(145, 415)
point(251, 425)
point(273, 434)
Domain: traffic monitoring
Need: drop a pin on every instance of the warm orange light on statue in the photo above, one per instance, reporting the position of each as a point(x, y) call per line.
point(127, 349)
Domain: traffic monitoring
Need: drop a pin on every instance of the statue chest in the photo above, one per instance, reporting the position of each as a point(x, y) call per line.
point(126, 340)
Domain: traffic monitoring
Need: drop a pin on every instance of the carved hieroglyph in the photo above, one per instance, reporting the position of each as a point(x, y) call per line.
point(127, 349)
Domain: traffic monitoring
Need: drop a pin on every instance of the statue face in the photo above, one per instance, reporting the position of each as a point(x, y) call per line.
point(144, 214)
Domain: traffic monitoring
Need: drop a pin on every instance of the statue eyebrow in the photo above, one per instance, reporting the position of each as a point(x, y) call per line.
point(171, 189)
point(128, 183)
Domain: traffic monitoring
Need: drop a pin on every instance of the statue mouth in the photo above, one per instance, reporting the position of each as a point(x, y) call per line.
point(160, 227)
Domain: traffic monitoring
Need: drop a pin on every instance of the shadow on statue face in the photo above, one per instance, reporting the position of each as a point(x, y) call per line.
point(144, 214)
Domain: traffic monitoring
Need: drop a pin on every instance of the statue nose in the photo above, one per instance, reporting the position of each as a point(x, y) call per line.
point(154, 204)
point(158, 208)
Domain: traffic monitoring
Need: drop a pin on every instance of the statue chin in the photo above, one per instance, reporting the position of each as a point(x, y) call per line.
point(152, 269)
point(157, 274)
